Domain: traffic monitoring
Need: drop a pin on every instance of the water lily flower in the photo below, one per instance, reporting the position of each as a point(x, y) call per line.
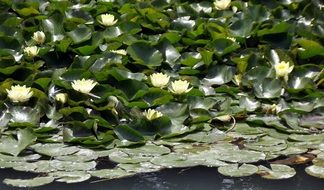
point(159, 80)
point(19, 93)
point(283, 69)
point(180, 87)
point(31, 51)
point(151, 114)
point(39, 37)
point(61, 97)
point(84, 86)
point(107, 19)
point(119, 51)
point(222, 4)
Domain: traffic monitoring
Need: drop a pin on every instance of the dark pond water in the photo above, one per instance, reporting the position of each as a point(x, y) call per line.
point(197, 178)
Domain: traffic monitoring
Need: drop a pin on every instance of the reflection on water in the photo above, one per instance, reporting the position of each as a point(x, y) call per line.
point(197, 178)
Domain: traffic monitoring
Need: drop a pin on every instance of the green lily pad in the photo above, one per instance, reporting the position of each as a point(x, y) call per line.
point(70, 177)
point(25, 114)
point(10, 164)
point(218, 75)
point(80, 34)
point(277, 171)
point(143, 167)
point(12, 146)
point(205, 137)
point(110, 173)
point(234, 170)
point(267, 144)
point(56, 149)
point(147, 150)
point(145, 54)
point(119, 156)
point(313, 137)
point(31, 157)
point(293, 150)
point(270, 88)
point(175, 160)
point(315, 171)
point(249, 103)
point(240, 156)
point(319, 161)
point(46, 166)
point(34, 182)
point(83, 155)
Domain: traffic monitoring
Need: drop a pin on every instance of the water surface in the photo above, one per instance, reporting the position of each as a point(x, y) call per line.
point(196, 178)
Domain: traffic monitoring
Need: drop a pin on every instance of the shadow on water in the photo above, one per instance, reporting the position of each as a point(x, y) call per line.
point(196, 178)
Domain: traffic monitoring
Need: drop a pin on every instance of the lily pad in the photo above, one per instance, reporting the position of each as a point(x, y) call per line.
point(110, 173)
point(143, 167)
point(234, 170)
point(240, 156)
point(268, 89)
point(175, 160)
point(83, 155)
point(12, 146)
point(145, 54)
point(277, 171)
point(70, 177)
point(119, 156)
point(267, 144)
point(313, 137)
point(147, 150)
point(56, 149)
point(34, 182)
point(31, 157)
point(315, 171)
point(46, 166)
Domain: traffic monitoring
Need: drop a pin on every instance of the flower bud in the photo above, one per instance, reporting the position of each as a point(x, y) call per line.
point(61, 97)
point(222, 4)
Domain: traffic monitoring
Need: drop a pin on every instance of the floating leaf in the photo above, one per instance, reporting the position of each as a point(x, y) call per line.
point(110, 173)
point(147, 150)
point(143, 167)
point(218, 75)
point(9, 145)
point(34, 182)
point(80, 34)
point(268, 88)
point(56, 149)
point(70, 177)
point(121, 157)
point(277, 171)
point(145, 54)
point(315, 171)
point(234, 170)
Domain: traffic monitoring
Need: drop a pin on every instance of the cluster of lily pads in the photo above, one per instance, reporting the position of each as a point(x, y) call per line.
point(154, 84)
